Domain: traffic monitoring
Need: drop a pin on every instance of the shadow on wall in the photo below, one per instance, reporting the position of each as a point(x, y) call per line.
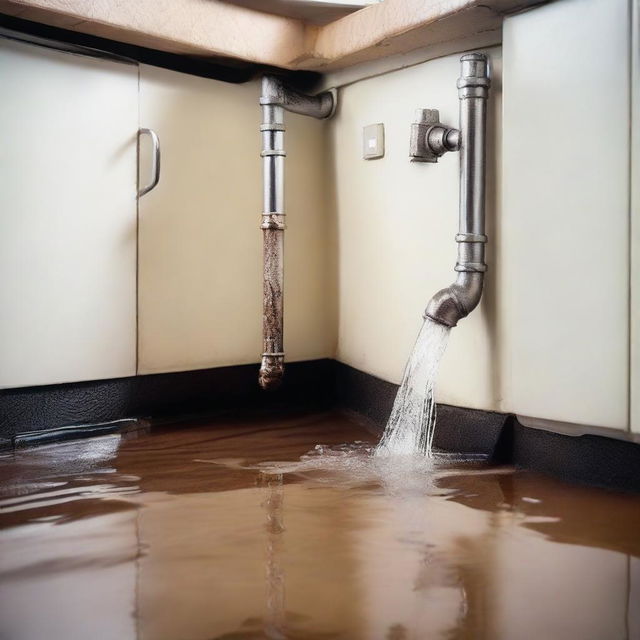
point(489, 306)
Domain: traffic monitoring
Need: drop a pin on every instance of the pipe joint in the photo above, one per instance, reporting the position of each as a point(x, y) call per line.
point(456, 301)
point(430, 139)
point(275, 93)
point(471, 237)
point(273, 221)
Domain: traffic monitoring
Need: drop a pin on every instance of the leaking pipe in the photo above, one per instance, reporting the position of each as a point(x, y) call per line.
point(275, 99)
point(459, 299)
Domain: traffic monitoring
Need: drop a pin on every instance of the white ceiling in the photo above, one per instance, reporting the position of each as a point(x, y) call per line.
point(312, 11)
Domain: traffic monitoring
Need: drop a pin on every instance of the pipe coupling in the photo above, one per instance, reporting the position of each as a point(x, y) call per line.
point(474, 81)
point(273, 221)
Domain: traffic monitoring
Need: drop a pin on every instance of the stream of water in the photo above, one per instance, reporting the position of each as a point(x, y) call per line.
point(411, 425)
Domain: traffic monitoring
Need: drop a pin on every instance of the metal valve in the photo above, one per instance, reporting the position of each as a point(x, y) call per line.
point(431, 139)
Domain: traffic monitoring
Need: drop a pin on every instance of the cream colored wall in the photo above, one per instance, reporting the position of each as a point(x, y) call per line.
point(634, 373)
point(200, 245)
point(395, 228)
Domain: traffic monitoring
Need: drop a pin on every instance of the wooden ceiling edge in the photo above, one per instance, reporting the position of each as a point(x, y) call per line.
point(463, 23)
point(370, 28)
point(279, 36)
point(342, 77)
point(390, 28)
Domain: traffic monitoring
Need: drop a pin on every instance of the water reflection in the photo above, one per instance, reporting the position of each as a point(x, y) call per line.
point(194, 533)
point(275, 577)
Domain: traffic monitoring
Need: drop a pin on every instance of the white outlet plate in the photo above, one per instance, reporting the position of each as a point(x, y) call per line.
point(373, 141)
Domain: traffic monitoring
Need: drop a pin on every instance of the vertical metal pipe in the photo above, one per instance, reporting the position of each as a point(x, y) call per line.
point(275, 98)
point(457, 301)
point(473, 91)
point(273, 226)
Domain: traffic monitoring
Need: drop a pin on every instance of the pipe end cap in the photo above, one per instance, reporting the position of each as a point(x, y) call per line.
point(271, 372)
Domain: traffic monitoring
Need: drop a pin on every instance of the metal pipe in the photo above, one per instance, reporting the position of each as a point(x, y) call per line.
point(457, 301)
point(275, 99)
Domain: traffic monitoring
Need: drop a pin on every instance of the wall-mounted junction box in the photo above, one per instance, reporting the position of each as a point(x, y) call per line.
point(373, 141)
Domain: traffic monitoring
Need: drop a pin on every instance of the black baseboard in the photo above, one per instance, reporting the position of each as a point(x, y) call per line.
point(168, 394)
point(586, 459)
point(34, 414)
point(459, 430)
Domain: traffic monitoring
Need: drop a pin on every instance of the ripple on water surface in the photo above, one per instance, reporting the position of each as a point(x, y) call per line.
point(246, 527)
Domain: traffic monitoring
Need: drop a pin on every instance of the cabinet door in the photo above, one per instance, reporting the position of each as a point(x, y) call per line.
point(68, 217)
point(200, 245)
point(565, 227)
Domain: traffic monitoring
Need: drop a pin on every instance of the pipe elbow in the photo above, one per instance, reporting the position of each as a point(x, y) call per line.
point(457, 301)
point(274, 92)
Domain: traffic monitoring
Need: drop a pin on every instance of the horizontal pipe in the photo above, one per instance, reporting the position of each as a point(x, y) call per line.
point(274, 92)
point(457, 301)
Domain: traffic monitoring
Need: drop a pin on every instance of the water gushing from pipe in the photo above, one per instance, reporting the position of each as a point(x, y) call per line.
point(412, 422)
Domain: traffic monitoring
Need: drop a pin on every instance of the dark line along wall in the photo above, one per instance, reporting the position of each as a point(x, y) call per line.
point(224, 69)
point(160, 395)
point(321, 384)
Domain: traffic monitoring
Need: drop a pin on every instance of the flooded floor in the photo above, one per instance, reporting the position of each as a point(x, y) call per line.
point(219, 530)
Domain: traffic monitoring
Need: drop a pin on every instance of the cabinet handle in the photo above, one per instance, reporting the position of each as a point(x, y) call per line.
point(155, 167)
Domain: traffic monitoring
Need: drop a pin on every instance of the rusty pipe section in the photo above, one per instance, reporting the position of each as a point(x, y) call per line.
point(457, 301)
point(275, 99)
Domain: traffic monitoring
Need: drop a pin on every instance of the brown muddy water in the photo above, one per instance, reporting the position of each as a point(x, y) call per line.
point(218, 530)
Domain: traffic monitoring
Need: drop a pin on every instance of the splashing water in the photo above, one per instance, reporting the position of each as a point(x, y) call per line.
point(411, 425)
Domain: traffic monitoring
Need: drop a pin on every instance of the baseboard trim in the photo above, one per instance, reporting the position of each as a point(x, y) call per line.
point(594, 460)
point(45, 414)
point(31, 409)
point(459, 429)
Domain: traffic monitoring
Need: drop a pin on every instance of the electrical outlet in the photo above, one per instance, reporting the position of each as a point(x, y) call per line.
point(373, 141)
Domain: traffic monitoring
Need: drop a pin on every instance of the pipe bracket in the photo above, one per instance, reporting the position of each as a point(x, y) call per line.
point(273, 152)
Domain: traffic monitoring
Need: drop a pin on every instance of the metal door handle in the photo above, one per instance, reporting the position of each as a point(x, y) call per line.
point(155, 167)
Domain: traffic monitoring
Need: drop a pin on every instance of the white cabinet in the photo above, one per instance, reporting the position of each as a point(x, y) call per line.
point(68, 128)
point(200, 244)
point(564, 285)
